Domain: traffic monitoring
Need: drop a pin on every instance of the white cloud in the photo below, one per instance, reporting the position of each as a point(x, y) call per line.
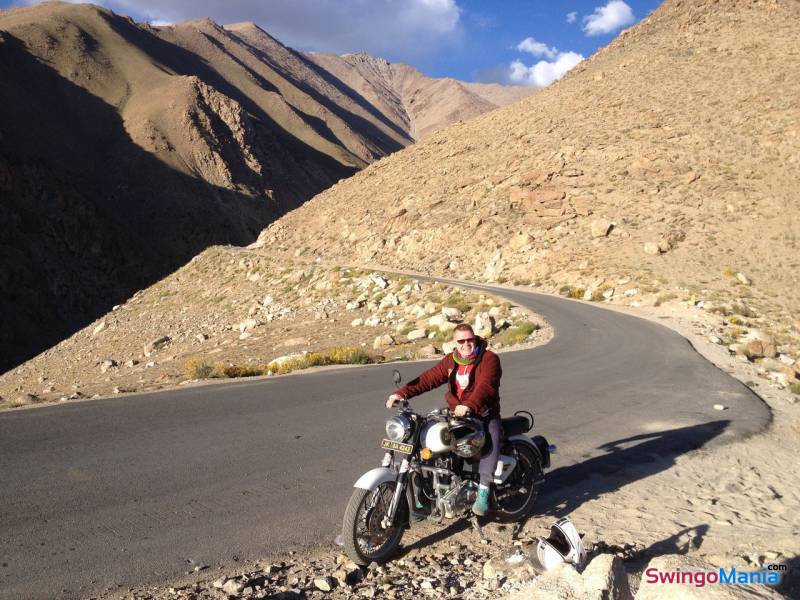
point(381, 27)
point(544, 72)
point(531, 46)
point(572, 17)
point(609, 18)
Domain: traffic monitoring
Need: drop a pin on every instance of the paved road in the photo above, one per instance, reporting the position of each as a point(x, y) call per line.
point(126, 490)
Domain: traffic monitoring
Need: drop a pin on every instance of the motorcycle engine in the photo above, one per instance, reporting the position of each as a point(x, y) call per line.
point(459, 499)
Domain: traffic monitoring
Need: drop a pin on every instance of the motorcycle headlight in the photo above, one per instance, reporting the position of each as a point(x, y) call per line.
point(398, 429)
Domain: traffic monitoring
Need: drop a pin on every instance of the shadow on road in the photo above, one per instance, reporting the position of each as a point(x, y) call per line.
point(627, 460)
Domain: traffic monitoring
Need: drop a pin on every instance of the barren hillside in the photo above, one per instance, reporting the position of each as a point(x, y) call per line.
point(667, 165)
point(126, 149)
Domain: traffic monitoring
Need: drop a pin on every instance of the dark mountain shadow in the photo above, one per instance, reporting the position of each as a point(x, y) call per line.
point(626, 461)
point(89, 217)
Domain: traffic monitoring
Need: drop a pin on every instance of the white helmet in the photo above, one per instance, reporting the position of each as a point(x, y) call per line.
point(563, 545)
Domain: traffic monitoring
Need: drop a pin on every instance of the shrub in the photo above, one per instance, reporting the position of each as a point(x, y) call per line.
point(576, 293)
point(515, 334)
point(736, 332)
point(197, 368)
point(342, 355)
point(664, 298)
point(564, 290)
point(458, 301)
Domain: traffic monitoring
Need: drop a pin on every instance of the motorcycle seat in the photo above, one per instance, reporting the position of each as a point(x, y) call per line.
point(515, 425)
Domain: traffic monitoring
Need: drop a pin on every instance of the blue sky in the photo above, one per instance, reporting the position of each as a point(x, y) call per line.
point(527, 42)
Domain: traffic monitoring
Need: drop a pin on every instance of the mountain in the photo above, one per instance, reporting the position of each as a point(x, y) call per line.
point(126, 149)
point(664, 166)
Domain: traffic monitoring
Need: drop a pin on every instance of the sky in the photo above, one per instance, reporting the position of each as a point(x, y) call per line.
point(523, 42)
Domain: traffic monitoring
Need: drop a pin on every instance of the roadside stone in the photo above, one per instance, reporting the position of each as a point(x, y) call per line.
point(651, 248)
point(452, 314)
point(483, 325)
point(744, 279)
point(100, 327)
point(383, 341)
point(201, 337)
point(372, 321)
point(233, 587)
point(429, 350)
point(356, 322)
point(379, 281)
point(417, 334)
point(324, 584)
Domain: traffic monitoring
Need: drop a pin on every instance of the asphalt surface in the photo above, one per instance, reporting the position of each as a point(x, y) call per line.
point(127, 491)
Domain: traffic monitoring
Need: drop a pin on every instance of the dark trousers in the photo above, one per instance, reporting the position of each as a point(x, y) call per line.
point(491, 450)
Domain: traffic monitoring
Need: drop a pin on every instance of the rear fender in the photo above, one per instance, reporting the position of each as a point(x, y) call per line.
point(372, 479)
point(538, 444)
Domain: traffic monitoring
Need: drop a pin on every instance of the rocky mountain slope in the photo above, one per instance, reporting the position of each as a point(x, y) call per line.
point(665, 166)
point(411, 99)
point(126, 149)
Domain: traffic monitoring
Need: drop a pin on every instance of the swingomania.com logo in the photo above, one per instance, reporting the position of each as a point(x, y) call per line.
point(767, 575)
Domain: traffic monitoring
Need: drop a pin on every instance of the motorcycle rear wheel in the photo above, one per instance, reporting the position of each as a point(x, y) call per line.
point(515, 499)
point(365, 540)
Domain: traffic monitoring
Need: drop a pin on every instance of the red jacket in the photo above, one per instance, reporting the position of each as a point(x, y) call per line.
point(482, 394)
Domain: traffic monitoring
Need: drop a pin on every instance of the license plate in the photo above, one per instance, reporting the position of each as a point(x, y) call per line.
point(397, 446)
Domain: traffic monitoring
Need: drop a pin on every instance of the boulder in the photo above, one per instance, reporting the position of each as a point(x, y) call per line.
point(383, 341)
point(99, 327)
point(744, 279)
point(356, 322)
point(651, 248)
point(483, 325)
point(379, 281)
point(107, 364)
point(232, 587)
point(427, 351)
point(417, 334)
point(604, 578)
point(452, 314)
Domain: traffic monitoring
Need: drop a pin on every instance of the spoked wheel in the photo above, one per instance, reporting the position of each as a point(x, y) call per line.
point(365, 539)
point(516, 497)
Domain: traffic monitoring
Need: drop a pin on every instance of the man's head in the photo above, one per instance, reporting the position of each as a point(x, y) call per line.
point(464, 337)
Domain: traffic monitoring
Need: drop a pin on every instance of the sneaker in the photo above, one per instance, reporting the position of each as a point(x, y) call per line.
point(481, 505)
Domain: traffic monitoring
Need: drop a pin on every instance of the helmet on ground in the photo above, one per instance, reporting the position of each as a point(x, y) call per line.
point(563, 545)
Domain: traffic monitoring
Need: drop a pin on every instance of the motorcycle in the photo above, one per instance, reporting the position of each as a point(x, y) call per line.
point(430, 471)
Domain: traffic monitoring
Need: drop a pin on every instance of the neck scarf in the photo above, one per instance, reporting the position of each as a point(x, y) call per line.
point(469, 359)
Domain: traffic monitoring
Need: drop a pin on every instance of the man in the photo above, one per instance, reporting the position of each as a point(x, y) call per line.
point(473, 376)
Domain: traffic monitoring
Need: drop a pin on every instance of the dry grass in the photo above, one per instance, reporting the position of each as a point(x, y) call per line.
point(516, 334)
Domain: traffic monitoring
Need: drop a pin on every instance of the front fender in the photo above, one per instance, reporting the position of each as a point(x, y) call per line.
point(372, 479)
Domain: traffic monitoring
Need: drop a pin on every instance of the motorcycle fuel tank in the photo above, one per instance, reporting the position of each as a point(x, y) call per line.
point(437, 438)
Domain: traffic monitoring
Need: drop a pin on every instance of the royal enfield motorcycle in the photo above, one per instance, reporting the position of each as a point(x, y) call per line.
point(430, 471)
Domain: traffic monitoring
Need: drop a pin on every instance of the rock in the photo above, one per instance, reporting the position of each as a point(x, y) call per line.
point(156, 344)
point(99, 327)
point(356, 322)
point(492, 568)
point(233, 587)
point(354, 304)
point(483, 325)
point(714, 339)
point(630, 293)
point(608, 294)
point(201, 337)
point(605, 577)
point(429, 350)
point(383, 341)
point(379, 281)
point(742, 278)
point(720, 407)
point(651, 248)
point(760, 348)
point(600, 228)
point(452, 314)
point(218, 583)
point(372, 321)
point(324, 584)
point(417, 334)
point(389, 300)
point(107, 364)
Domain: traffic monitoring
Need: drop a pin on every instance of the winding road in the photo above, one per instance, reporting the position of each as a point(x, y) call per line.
point(127, 491)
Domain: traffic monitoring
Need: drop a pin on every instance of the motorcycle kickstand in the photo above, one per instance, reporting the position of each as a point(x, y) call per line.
point(476, 526)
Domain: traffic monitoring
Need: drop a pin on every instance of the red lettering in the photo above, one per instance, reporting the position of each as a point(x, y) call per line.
point(651, 575)
point(668, 577)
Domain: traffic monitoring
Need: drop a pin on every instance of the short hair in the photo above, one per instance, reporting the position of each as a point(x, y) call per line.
point(464, 327)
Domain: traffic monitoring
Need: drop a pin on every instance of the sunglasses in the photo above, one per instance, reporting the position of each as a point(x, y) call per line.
point(466, 341)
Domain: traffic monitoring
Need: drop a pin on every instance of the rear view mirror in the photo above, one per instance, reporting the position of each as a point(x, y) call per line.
point(396, 377)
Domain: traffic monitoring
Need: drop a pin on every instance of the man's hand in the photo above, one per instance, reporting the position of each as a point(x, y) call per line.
point(394, 399)
point(461, 411)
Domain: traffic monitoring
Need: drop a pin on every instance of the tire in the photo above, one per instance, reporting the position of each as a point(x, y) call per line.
point(361, 528)
point(514, 500)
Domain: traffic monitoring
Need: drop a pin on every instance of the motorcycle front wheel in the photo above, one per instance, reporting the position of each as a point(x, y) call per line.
point(365, 539)
point(515, 498)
